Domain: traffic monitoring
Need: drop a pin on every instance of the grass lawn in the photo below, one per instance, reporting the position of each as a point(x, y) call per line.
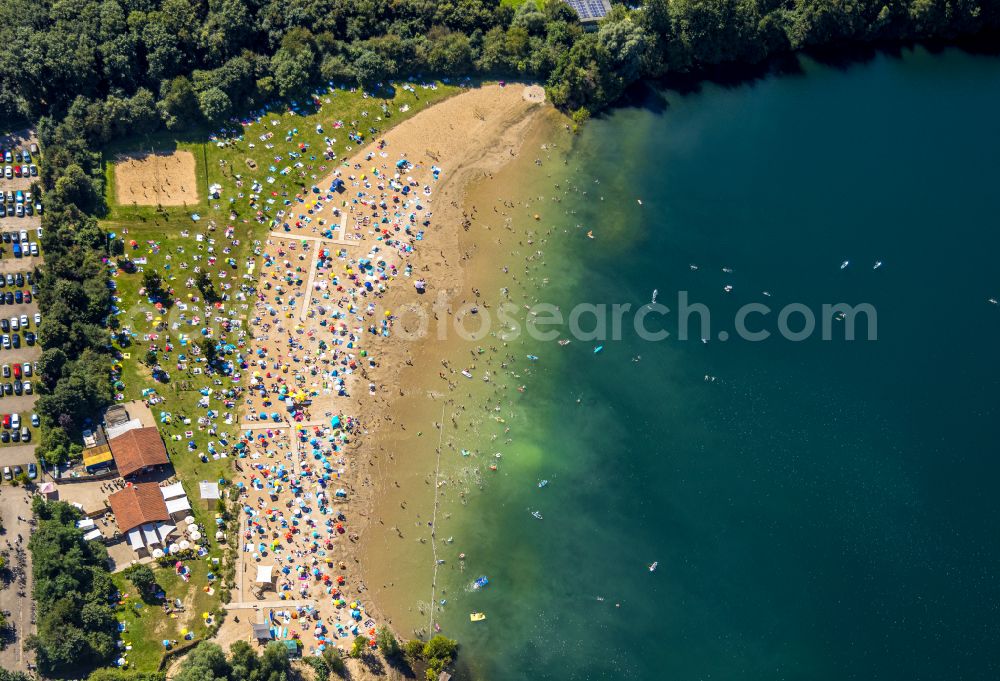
point(170, 242)
point(146, 626)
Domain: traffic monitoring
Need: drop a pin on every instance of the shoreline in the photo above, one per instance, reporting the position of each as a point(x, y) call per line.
point(435, 387)
point(485, 129)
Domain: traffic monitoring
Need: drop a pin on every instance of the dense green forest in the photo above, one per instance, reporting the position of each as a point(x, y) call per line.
point(122, 64)
point(74, 593)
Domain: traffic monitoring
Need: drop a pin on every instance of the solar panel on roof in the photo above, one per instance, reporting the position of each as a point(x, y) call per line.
point(588, 9)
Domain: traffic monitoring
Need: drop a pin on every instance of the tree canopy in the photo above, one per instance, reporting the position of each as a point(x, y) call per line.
point(74, 592)
point(135, 66)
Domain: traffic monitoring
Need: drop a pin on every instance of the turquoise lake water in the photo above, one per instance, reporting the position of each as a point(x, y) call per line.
point(818, 509)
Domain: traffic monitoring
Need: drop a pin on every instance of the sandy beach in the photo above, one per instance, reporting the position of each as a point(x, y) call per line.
point(328, 396)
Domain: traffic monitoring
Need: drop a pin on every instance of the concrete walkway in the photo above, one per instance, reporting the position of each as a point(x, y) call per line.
point(260, 605)
point(262, 425)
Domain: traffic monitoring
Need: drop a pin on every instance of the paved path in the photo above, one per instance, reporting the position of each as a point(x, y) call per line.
point(309, 289)
point(309, 237)
point(263, 425)
point(12, 504)
point(259, 605)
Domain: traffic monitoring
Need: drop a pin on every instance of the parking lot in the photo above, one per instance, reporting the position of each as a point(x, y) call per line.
point(15, 595)
point(19, 348)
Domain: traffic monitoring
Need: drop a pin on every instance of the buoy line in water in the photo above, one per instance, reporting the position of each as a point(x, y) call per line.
point(437, 479)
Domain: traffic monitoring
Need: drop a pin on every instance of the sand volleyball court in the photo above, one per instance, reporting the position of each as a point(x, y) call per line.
point(156, 179)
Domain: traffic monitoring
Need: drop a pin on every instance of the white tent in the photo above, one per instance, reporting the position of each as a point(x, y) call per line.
point(179, 505)
point(85, 524)
point(149, 534)
point(135, 539)
point(172, 491)
point(164, 531)
point(264, 574)
point(208, 490)
point(93, 534)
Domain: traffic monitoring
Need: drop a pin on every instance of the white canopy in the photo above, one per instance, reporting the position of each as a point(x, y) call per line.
point(85, 524)
point(264, 574)
point(149, 533)
point(164, 531)
point(178, 505)
point(172, 491)
point(208, 490)
point(93, 534)
point(135, 539)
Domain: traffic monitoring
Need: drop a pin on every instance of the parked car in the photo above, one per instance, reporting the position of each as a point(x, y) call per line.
point(4, 436)
point(15, 435)
point(18, 388)
point(15, 421)
point(30, 337)
point(5, 325)
point(35, 420)
point(32, 469)
point(17, 470)
point(15, 322)
point(24, 320)
point(26, 369)
point(5, 341)
point(27, 387)
point(6, 420)
point(9, 297)
point(19, 279)
point(38, 315)
point(17, 371)
point(18, 297)
point(7, 388)
point(15, 340)
point(6, 371)
point(25, 434)
point(7, 475)
point(33, 248)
